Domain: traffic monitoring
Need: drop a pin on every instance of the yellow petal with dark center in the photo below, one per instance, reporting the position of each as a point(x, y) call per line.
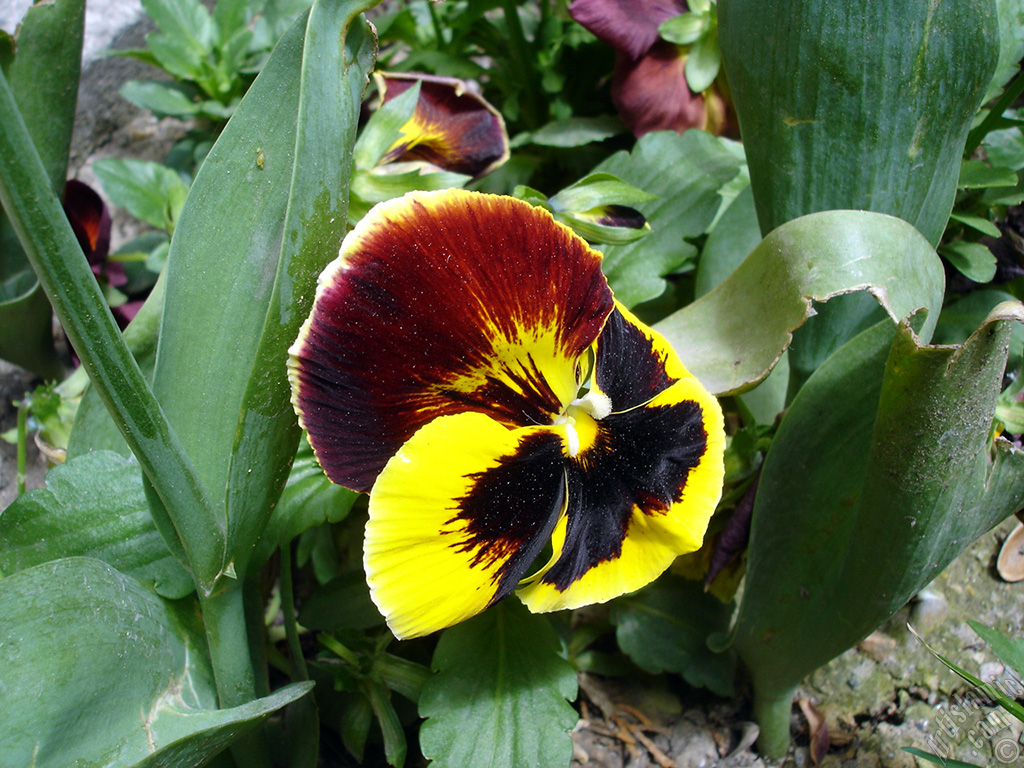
point(457, 518)
point(640, 495)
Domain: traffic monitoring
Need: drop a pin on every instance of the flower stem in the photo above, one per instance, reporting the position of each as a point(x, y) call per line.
point(771, 712)
point(523, 64)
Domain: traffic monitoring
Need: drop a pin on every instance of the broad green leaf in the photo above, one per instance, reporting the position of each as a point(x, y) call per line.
point(500, 673)
point(973, 260)
point(703, 62)
point(577, 131)
point(92, 506)
point(826, 126)
point(99, 670)
point(42, 74)
point(175, 56)
point(597, 189)
point(880, 474)
point(266, 213)
point(685, 28)
point(162, 100)
point(732, 336)
point(665, 628)
point(686, 172)
point(149, 191)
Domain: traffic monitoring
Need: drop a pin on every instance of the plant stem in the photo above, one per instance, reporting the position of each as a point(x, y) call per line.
point(297, 663)
point(22, 438)
point(62, 269)
point(228, 637)
point(771, 712)
point(523, 64)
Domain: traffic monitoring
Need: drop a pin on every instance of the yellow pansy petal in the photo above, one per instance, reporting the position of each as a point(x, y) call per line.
point(640, 495)
point(457, 518)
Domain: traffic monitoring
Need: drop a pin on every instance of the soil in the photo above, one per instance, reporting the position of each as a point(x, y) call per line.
point(886, 694)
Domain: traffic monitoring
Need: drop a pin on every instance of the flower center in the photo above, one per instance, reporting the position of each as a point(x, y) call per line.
point(581, 417)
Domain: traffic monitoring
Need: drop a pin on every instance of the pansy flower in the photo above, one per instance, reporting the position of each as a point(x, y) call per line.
point(518, 429)
point(649, 87)
point(453, 127)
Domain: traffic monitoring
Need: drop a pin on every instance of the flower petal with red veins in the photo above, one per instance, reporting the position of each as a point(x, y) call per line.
point(651, 94)
point(629, 26)
point(443, 302)
point(452, 127)
point(458, 516)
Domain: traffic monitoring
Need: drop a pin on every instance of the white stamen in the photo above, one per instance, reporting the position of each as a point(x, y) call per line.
point(573, 439)
point(597, 404)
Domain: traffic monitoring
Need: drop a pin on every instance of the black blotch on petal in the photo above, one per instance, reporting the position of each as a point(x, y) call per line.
point(628, 369)
point(512, 509)
point(641, 458)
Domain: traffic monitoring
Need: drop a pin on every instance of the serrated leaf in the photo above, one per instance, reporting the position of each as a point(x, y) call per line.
point(76, 630)
point(686, 173)
point(186, 20)
point(665, 628)
point(92, 506)
point(501, 672)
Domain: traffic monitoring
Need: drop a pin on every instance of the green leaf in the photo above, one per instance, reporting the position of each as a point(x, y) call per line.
point(976, 174)
point(977, 223)
point(577, 131)
point(92, 506)
point(825, 130)
point(665, 628)
point(732, 336)
point(598, 189)
point(502, 673)
point(162, 100)
point(961, 317)
point(946, 762)
point(1010, 652)
point(175, 56)
point(187, 21)
point(846, 530)
point(42, 74)
point(686, 172)
point(703, 62)
point(266, 213)
point(684, 29)
point(1011, 45)
point(149, 191)
point(973, 260)
point(76, 632)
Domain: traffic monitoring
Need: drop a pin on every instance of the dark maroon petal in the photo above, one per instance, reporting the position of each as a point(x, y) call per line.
point(443, 302)
point(628, 26)
point(651, 93)
point(453, 127)
point(89, 220)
